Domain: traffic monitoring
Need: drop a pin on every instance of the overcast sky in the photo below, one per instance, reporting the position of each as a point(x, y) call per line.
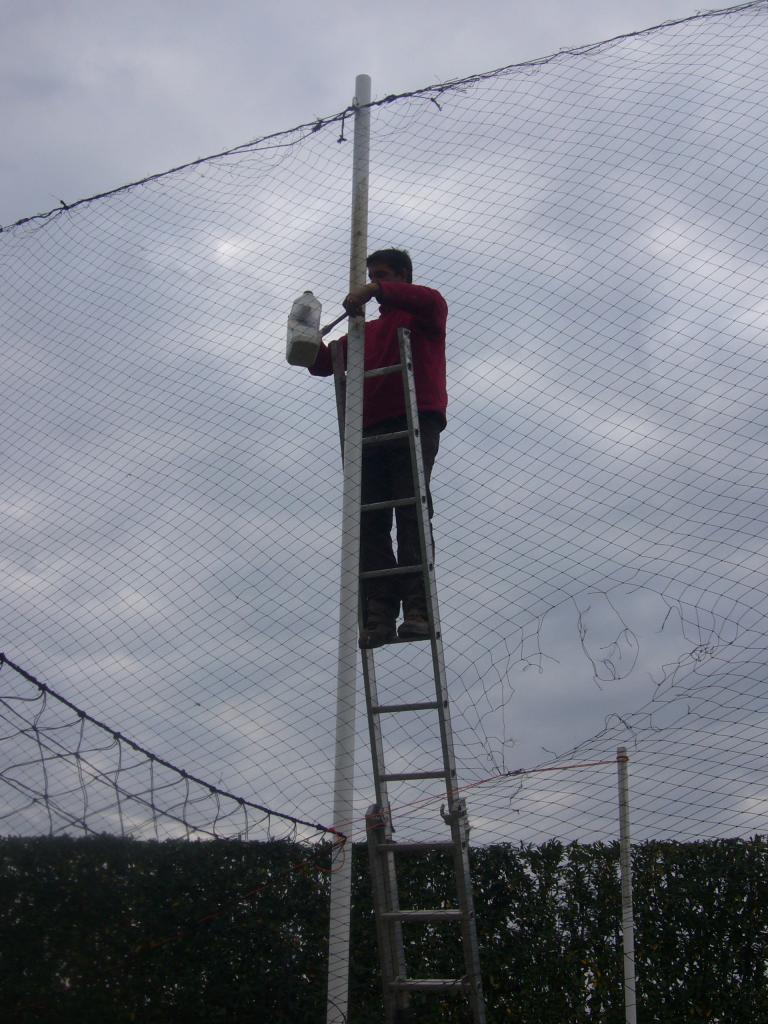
point(96, 93)
point(171, 486)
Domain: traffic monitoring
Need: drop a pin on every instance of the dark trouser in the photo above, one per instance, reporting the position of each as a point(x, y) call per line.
point(387, 474)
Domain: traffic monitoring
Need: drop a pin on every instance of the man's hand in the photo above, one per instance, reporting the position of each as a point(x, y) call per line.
point(357, 298)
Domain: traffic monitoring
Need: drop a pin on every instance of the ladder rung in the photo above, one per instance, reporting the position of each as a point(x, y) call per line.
point(395, 435)
point(383, 371)
point(408, 776)
point(424, 916)
point(387, 847)
point(399, 640)
point(410, 639)
point(428, 984)
point(374, 506)
point(386, 709)
point(401, 570)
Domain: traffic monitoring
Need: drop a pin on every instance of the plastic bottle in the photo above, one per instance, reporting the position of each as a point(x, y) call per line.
point(304, 331)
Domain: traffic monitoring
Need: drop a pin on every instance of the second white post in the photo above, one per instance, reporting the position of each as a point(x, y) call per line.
point(625, 862)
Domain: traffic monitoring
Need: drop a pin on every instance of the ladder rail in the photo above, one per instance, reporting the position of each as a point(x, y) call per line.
point(390, 918)
point(378, 820)
point(457, 814)
point(369, 669)
point(428, 561)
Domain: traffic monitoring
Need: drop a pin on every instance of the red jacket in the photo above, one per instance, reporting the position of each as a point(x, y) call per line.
point(424, 312)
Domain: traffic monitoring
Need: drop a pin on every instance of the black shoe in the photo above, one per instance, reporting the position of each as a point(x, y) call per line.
point(377, 633)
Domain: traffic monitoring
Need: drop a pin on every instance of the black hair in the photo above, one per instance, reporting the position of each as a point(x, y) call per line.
point(397, 260)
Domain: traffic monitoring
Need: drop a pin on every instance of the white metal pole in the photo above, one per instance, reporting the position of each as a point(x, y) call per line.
point(341, 878)
point(625, 861)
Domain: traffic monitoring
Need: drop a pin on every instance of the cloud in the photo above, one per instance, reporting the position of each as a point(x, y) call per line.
point(172, 487)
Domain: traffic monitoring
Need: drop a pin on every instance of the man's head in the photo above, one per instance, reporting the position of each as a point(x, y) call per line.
point(390, 265)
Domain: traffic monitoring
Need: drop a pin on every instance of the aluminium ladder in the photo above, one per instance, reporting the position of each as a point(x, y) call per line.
point(383, 850)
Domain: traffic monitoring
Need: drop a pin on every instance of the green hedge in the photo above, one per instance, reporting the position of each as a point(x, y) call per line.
point(112, 930)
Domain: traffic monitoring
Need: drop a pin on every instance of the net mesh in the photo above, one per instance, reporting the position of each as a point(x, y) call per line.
point(172, 488)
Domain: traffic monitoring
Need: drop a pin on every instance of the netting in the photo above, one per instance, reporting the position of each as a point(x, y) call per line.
point(596, 221)
point(85, 778)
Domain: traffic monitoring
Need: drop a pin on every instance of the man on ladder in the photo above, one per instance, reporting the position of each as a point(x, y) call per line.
point(387, 472)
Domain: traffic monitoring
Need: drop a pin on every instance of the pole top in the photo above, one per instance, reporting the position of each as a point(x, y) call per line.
point(362, 90)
